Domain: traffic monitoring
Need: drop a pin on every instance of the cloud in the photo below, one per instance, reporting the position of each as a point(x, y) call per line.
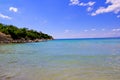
point(118, 16)
point(67, 31)
point(87, 4)
point(89, 9)
point(91, 3)
point(113, 7)
point(93, 29)
point(13, 9)
point(74, 2)
point(103, 29)
point(4, 16)
point(116, 30)
point(78, 3)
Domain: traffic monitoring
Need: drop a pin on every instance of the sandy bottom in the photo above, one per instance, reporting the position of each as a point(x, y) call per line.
point(59, 74)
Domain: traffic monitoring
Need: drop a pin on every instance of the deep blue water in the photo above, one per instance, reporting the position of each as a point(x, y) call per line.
point(61, 59)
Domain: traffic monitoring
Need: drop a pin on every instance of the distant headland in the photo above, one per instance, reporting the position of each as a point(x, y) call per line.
point(13, 34)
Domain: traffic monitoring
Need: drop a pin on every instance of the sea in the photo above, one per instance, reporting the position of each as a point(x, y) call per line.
point(61, 59)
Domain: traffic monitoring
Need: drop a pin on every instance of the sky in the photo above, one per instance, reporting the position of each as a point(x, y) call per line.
point(64, 18)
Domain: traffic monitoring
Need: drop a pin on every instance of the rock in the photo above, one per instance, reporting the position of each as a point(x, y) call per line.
point(8, 39)
point(5, 38)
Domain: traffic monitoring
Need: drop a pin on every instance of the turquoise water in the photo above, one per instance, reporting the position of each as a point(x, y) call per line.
point(63, 59)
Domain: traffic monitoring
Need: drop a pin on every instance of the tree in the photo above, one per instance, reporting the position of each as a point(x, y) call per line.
point(20, 33)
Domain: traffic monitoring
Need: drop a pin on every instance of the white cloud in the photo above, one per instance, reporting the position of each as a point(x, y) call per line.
point(93, 29)
point(87, 4)
point(115, 30)
point(89, 9)
point(13, 9)
point(66, 31)
point(91, 3)
point(118, 16)
point(74, 2)
point(113, 7)
point(78, 3)
point(4, 16)
point(103, 29)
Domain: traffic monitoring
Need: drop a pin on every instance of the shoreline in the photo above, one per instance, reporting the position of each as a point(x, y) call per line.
point(23, 41)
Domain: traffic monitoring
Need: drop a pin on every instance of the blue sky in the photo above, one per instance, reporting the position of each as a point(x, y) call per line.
point(64, 18)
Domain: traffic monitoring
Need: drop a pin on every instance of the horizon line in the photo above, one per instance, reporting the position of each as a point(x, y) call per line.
point(92, 38)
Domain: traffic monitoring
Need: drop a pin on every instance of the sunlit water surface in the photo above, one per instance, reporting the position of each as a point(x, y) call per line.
point(70, 59)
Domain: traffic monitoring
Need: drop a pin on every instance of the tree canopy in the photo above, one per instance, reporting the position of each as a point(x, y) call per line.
point(22, 33)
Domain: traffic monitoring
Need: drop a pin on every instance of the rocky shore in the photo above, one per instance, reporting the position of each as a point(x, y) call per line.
point(7, 39)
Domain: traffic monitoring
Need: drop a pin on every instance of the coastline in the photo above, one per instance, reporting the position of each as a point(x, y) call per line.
point(7, 38)
point(13, 34)
point(23, 41)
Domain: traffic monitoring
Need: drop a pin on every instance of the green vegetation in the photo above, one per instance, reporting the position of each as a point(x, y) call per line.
point(22, 33)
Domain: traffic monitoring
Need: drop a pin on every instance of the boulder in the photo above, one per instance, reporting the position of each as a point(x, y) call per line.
point(5, 38)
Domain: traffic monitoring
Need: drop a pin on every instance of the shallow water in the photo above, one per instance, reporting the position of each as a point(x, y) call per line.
point(70, 59)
